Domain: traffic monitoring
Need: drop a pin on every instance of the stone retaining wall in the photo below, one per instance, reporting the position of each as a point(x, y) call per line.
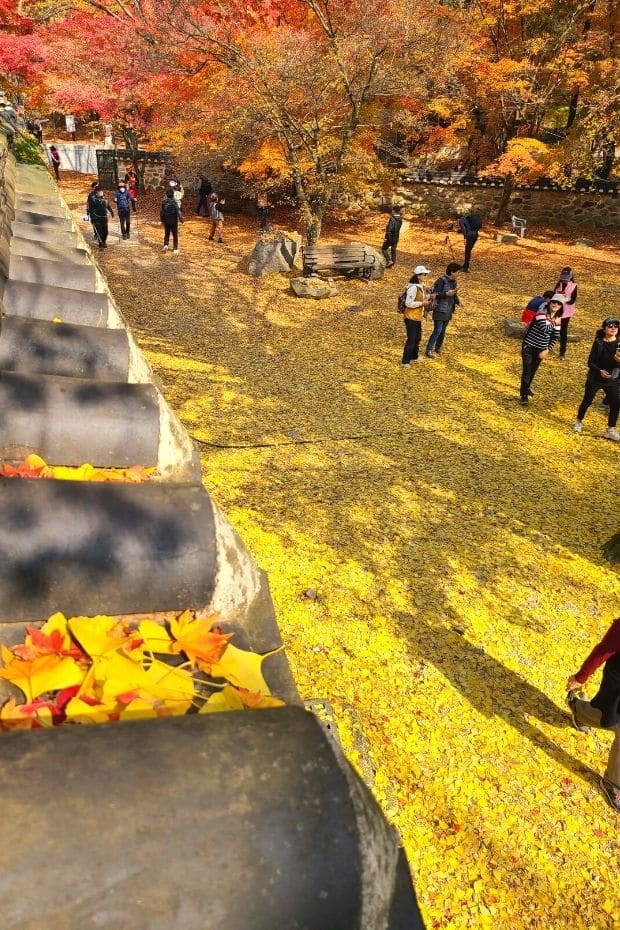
point(539, 207)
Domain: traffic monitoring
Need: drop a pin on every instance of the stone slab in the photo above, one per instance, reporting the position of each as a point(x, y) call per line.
point(244, 821)
point(69, 421)
point(43, 219)
point(506, 238)
point(51, 251)
point(46, 302)
point(88, 548)
point(43, 206)
point(41, 347)
point(44, 233)
point(58, 274)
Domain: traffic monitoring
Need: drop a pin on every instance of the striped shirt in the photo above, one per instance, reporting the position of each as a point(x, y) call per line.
point(542, 332)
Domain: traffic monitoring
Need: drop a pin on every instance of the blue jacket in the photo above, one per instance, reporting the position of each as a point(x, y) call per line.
point(123, 201)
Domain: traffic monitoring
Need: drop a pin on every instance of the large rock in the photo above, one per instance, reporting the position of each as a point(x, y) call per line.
point(315, 287)
point(274, 253)
point(517, 328)
point(378, 269)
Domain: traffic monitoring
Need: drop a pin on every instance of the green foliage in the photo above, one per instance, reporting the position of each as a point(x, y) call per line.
point(27, 150)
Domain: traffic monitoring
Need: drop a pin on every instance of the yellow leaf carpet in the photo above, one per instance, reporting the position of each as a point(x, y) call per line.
point(452, 538)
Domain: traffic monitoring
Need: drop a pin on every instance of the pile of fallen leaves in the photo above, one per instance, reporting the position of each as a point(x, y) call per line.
point(33, 466)
point(451, 538)
point(101, 669)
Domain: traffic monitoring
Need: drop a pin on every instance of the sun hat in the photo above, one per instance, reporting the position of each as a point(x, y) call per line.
point(421, 269)
point(566, 273)
point(558, 299)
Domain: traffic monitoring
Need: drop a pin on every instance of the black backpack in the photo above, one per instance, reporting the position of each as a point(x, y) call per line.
point(169, 210)
point(401, 306)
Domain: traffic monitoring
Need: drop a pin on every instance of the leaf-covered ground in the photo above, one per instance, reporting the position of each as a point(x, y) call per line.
point(453, 539)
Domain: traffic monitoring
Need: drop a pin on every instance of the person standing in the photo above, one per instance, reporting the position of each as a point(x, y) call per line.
point(99, 210)
point(262, 205)
point(123, 208)
point(470, 225)
point(567, 287)
point(603, 711)
point(217, 217)
point(392, 235)
point(539, 337)
point(89, 205)
point(55, 160)
point(603, 373)
point(204, 190)
point(415, 305)
point(445, 292)
point(170, 215)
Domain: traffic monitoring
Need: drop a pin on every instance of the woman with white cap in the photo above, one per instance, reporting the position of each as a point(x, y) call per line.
point(415, 303)
point(542, 333)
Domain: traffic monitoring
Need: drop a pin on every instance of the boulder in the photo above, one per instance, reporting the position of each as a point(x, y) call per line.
point(378, 269)
point(611, 549)
point(315, 287)
point(506, 238)
point(517, 328)
point(587, 242)
point(274, 253)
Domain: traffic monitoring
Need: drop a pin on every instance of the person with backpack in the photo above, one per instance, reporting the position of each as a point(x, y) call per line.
point(89, 203)
point(446, 300)
point(415, 304)
point(603, 374)
point(99, 209)
point(392, 235)
point(204, 190)
point(470, 225)
point(603, 711)
point(217, 216)
point(567, 287)
point(122, 198)
point(539, 337)
point(170, 215)
point(534, 305)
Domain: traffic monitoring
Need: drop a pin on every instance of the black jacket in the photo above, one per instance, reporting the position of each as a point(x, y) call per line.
point(205, 188)
point(392, 230)
point(445, 305)
point(99, 208)
point(602, 357)
point(169, 211)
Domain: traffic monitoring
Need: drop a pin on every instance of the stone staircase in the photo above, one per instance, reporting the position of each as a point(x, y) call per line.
point(299, 840)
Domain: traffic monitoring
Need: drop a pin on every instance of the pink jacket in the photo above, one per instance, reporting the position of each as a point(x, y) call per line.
point(568, 290)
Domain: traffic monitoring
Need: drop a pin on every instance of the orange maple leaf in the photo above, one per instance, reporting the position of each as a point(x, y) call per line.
point(197, 640)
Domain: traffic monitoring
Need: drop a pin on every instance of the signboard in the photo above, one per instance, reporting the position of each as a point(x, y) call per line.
point(70, 123)
point(107, 169)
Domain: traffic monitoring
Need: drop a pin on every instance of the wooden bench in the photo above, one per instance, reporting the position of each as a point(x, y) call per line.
point(345, 259)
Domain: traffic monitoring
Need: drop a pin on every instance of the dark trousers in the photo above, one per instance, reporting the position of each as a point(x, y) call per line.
point(531, 364)
point(612, 393)
point(125, 221)
point(100, 225)
point(412, 345)
point(174, 229)
point(389, 250)
point(56, 170)
point(470, 242)
point(564, 334)
point(202, 204)
point(263, 216)
point(437, 337)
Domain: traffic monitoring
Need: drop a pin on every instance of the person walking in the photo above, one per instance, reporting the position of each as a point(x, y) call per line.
point(89, 204)
point(217, 216)
point(603, 373)
point(539, 337)
point(131, 182)
point(470, 225)
point(603, 711)
point(416, 302)
point(55, 160)
point(567, 287)
point(392, 235)
point(170, 215)
point(204, 189)
point(445, 293)
point(99, 210)
point(122, 199)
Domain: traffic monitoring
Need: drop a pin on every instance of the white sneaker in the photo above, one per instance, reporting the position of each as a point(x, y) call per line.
point(406, 366)
point(176, 252)
point(577, 427)
point(165, 248)
point(612, 433)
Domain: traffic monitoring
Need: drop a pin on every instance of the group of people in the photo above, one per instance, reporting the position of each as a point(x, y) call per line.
point(469, 225)
point(170, 212)
point(98, 208)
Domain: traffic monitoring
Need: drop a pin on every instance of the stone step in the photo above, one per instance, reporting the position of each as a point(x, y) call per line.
point(69, 421)
point(50, 207)
point(60, 221)
point(59, 274)
point(46, 302)
point(41, 347)
point(45, 234)
point(51, 251)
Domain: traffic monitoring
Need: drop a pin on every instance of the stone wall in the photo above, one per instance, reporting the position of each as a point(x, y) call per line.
point(539, 207)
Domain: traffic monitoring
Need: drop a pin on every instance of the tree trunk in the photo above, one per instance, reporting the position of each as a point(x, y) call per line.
point(131, 142)
point(572, 109)
point(313, 228)
point(509, 184)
